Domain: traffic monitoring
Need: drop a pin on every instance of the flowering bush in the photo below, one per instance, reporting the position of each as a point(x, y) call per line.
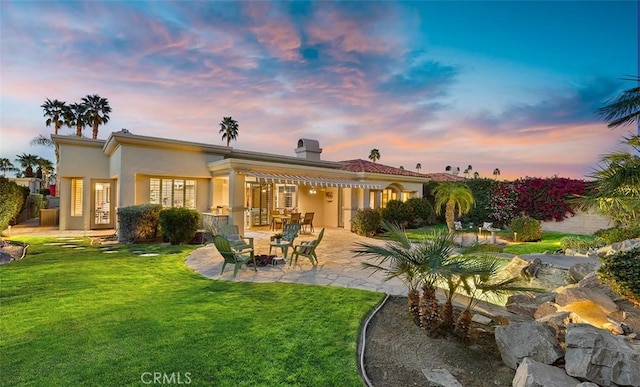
point(503, 204)
point(546, 199)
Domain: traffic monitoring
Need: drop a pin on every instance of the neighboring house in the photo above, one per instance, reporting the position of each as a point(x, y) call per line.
point(95, 177)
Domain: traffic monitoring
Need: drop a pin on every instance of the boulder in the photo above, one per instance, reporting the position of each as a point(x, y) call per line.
point(5, 257)
point(592, 282)
point(558, 322)
point(574, 293)
point(580, 270)
point(526, 305)
point(545, 309)
point(587, 384)
point(440, 377)
point(600, 357)
point(531, 373)
point(528, 339)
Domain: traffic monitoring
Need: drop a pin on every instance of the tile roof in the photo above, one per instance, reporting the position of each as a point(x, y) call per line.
point(359, 165)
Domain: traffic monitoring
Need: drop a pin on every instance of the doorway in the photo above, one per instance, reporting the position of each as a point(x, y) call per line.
point(102, 204)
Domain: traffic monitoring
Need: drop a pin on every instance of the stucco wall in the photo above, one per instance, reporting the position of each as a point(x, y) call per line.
point(580, 223)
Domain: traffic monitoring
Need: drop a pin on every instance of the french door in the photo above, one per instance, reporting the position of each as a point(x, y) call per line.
point(102, 206)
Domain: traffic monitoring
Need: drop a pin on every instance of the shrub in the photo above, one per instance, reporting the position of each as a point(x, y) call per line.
point(366, 222)
point(482, 190)
point(396, 212)
point(622, 272)
point(618, 234)
point(547, 199)
point(420, 212)
point(45, 192)
point(581, 243)
point(179, 224)
point(36, 203)
point(528, 229)
point(11, 201)
point(139, 223)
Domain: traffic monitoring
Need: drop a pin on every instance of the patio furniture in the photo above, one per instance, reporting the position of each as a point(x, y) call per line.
point(231, 256)
point(488, 227)
point(238, 243)
point(278, 221)
point(295, 217)
point(307, 222)
point(307, 249)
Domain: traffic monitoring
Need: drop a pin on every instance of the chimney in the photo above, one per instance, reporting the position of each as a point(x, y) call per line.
point(308, 149)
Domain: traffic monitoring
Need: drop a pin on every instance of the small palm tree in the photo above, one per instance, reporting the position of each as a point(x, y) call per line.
point(402, 167)
point(55, 111)
point(456, 198)
point(97, 112)
point(625, 110)
point(496, 173)
point(229, 129)
point(7, 166)
point(76, 115)
point(476, 175)
point(28, 161)
point(374, 155)
point(418, 167)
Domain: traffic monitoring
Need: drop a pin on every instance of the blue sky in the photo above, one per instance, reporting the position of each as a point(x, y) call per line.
point(508, 85)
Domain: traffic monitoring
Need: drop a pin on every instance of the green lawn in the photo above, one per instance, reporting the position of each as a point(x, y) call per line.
point(81, 317)
point(550, 242)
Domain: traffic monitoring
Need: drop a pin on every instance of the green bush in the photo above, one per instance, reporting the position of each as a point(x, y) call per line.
point(420, 212)
point(179, 225)
point(622, 272)
point(11, 201)
point(528, 229)
point(578, 243)
point(139, 223)
point(366, 222)
point(482, 189)
point(36, 203)
point(396, 212)
point(618, 234)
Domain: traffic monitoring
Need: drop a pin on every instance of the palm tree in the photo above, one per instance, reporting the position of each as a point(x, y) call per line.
point(402, 167)
point(625, 110)
point(97, 111)
point(46, 141)
point(46, 167)
point(229, 129)
point(55, 111)
point(6, 166)
point(476, 175)
point(28, 161)
point(75, 115)
point(467, 170)
point(496, 173)
point(418, 167)
point(374, 155)
point(616, 186)
point(453, 196)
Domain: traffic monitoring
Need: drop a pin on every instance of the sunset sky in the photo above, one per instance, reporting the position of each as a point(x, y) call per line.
point(508, 85)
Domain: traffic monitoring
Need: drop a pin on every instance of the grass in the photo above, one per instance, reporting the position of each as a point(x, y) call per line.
point(550, 242)
point(422, 233)
point(80, 317)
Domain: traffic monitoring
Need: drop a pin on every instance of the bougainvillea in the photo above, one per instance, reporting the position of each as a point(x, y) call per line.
point(546, 199)
point(503, 203)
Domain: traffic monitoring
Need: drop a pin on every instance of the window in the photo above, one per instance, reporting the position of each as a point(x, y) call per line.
point(76, 197)
point(286, 197)
point(172, 192)
point(387, 195)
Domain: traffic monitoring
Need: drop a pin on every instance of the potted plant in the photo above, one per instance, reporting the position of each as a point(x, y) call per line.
point(277, 237)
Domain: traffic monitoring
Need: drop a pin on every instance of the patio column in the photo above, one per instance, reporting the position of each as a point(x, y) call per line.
point(236, 200)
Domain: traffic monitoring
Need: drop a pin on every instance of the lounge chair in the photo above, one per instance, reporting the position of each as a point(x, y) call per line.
point(289, 234)
point(307, 249)
point(238, 242)
point(232, 256)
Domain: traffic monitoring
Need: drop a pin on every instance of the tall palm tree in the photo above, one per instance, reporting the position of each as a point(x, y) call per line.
point(6, 166)
point(476, 175)
point(27, 161)
point(496, 173)
point(97, 112)
point(55, 111)
point(374, 155)
point(616, 186)
point(229, 129)
point(47, 168)
point(625, 110)
point(418, 167)
point(76, 115)
point(456, 198)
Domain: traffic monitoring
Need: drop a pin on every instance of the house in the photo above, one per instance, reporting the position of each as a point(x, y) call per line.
point(95, 177)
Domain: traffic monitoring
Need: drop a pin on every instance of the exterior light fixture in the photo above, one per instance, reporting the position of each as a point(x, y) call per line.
point(313, 191)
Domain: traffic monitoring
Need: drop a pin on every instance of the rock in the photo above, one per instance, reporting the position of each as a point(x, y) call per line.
point(529, 339)
point(531, 373)
point(573, 293)
point(558, 322)
point(600, 357)
point(545, 309)
point(525, 305)
point(580, 270)
point(587, 384)
point(480, 319)
point(5, 257)
point(613, 328)
point(441, 377)
point(591, 281)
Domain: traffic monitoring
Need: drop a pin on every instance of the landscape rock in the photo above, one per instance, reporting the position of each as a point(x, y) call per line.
point(531, 373)
point(545, 309)
point(574, 293)
point(587, 384)
point(591, 281)
point(5, 257)
point(441, 377)
point(600, 357)
point(480, 319)
point(581, 270)
point(526, 305)
point(558, 322)
point(528, 339)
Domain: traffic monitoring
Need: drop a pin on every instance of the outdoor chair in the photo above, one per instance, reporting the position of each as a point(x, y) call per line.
point(307, 222)
point(289, 234)
point(307, 249)
point(277, 221)
point(232, 256)
point(238, 243)
point(295, 217)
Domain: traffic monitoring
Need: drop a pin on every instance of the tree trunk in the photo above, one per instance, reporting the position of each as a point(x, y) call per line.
point(414, 305)
point(450, 214)
point(95, 130)
point(463, 326)
point(447, 315)
point(429, 311)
